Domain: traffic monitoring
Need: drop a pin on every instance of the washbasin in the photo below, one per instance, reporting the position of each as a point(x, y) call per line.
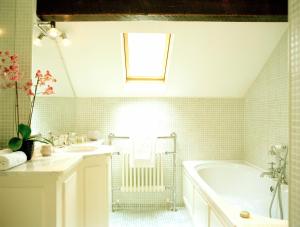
point(80, 148)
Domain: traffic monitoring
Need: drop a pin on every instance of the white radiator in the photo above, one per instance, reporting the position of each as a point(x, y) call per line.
point(142, 179)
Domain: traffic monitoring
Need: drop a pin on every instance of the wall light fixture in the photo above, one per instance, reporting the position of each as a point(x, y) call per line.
point(53, 31)
point(48, 29)
point(65, 40)
point(38, 40)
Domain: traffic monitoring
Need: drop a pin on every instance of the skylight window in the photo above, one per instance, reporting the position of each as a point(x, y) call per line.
point(146, 55)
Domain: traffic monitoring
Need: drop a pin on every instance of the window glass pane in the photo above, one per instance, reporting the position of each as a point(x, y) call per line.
point(146, 55)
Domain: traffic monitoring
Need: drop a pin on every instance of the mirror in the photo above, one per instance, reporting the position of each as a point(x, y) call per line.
point(47, 55)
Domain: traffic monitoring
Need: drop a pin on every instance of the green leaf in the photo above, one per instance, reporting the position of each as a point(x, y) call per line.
point(41, 140)
point(15, 143)
point(25, 131)
point(47, 141)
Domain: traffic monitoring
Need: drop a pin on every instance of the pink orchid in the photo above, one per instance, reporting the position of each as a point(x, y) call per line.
point(6, 70)
point(10, 77)
point(14, 68)
point(29, 92)
point(29, 83)
point(48, 76)
point(42, 81)
point(14, 78)
point(38, 74)
point(13, 58)
point(49, 91)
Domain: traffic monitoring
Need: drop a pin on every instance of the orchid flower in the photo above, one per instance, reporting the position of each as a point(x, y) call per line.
point(10, 77)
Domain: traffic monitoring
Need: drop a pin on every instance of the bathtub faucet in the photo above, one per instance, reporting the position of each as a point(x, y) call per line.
point(277, 169)
point(271, 173)
point(280, 153)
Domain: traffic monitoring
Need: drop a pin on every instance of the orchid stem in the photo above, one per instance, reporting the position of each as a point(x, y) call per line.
point(32, 103)
point(17, 108)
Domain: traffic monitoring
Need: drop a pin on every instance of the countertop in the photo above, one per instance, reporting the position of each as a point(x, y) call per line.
point(61, 160)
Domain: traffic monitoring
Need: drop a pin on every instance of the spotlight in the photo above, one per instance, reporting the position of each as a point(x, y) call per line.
point(38, 40)
point(65, 40)
point(48, 29)
point(53, 32)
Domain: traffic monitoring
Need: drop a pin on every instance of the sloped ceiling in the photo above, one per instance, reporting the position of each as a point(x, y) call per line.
point(207, 59)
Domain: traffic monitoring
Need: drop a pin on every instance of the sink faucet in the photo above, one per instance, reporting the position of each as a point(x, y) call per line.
point(71, 138)
point(53, 138)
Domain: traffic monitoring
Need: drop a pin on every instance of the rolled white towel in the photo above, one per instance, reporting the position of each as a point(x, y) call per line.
point(11, 159)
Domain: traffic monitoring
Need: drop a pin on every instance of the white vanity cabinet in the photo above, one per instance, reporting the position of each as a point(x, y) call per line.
point(95, 191)
point(70, 201)
point(74, 194)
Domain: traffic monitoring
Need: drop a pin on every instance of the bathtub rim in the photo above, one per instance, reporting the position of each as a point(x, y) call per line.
point(223, 209)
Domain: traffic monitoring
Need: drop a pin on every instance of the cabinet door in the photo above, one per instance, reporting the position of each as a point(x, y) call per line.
point(22, 206)
point(95, 192)
point(70, 201)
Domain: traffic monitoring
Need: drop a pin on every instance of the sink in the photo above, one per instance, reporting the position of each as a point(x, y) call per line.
point(83, 147)
point(80, 148)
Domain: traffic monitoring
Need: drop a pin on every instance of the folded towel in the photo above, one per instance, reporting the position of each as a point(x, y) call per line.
point(143, 154)
point(124, 146)
point(11, 159)
point(163, 145)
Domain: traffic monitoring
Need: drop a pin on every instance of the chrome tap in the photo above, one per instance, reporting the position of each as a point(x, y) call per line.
point(53, 138)
point(71, 138)
point(277, 169)
point(280, 153)
point(271, 172)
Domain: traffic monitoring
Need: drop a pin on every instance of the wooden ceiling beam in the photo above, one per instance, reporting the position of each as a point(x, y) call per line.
point(163, 10)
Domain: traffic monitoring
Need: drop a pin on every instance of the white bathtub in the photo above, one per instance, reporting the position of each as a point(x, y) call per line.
point(215, 192)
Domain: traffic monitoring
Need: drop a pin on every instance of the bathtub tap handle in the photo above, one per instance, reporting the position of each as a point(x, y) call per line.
point(271, 168)
point(270, 172)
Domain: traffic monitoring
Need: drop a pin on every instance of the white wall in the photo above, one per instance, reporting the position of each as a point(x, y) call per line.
point(206, 128)
point(294, 40)
point(16, 22)
point(266, 107)
point(207, 59)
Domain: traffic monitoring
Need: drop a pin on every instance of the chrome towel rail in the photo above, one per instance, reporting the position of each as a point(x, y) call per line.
point(172, 188)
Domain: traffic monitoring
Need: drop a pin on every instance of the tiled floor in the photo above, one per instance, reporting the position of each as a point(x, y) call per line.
point(152, 218)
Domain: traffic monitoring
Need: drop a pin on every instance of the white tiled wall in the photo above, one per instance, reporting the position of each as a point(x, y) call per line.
point(206, 128)
point(294, 18)
point(266, 107)
point(16, 19)
point(56, 115)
